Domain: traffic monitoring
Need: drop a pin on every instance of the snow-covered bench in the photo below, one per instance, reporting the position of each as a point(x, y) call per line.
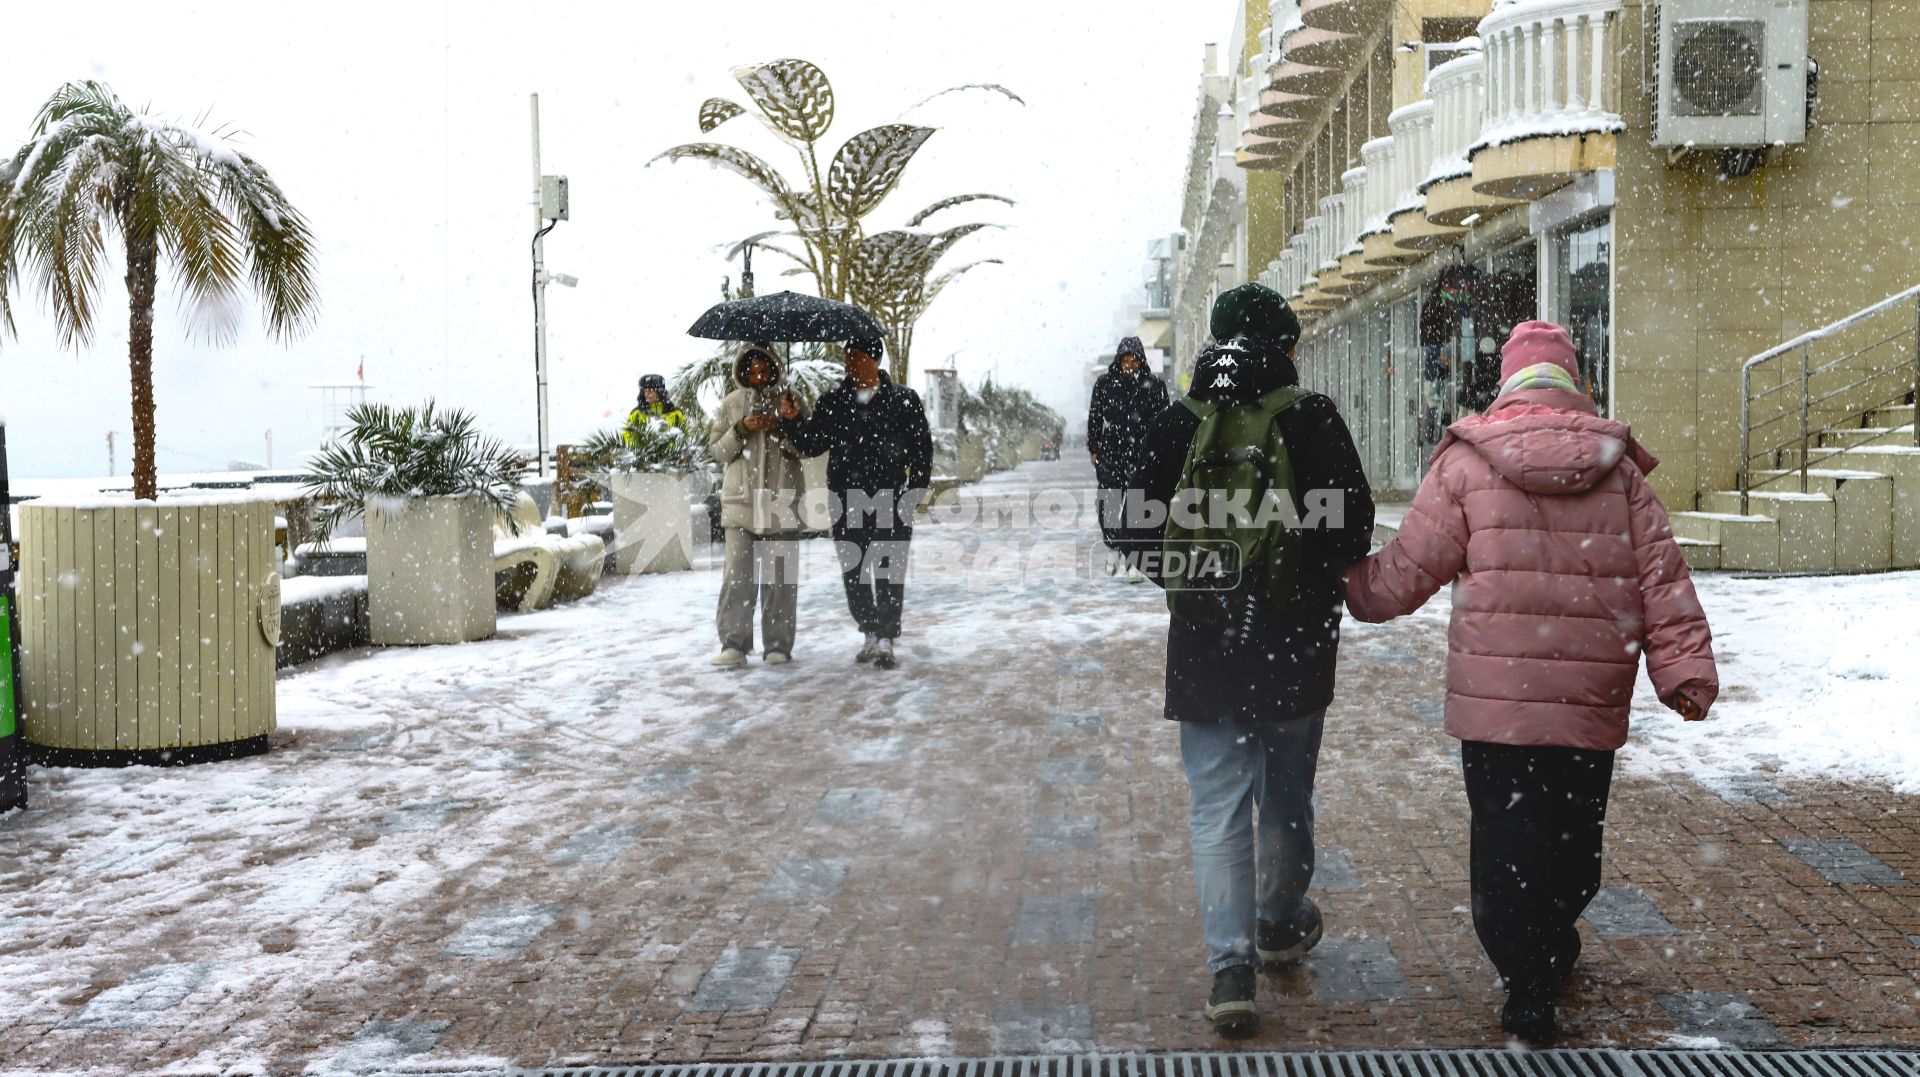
point(536, 569)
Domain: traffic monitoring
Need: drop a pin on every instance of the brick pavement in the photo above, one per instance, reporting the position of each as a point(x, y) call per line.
point(983, 852)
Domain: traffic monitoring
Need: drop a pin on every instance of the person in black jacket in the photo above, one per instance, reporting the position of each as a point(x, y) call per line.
point(879, 463)
point(1250, 696)
point(1125, 400)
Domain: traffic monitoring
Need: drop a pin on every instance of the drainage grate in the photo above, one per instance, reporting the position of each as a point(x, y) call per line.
point(1555, 1063)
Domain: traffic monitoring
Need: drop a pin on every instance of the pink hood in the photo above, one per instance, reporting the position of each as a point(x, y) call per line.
point(1564, 571)
point(1549, 441)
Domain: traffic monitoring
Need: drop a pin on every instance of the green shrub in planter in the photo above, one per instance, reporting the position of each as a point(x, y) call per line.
point(429, 485)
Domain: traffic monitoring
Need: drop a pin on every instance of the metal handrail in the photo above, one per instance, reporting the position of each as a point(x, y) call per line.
point(1803, 345)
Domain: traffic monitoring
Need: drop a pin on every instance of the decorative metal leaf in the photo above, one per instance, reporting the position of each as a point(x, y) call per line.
point(948, 203)
point(888, 271)
point(715, 111)
point(954, 235)
point(866, 169)
point(794, 95)
point(746, 164)
point(991, 87)
point(939, 283)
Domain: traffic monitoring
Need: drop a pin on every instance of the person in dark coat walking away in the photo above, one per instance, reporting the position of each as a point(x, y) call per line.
point(1564, 574)
point(1250, 695)
point(1125, 400)
point(879, 463)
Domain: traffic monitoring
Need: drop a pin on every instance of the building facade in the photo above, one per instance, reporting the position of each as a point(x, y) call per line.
point(1687, 185)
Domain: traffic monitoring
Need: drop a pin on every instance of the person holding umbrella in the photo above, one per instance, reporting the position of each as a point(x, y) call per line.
point(760, 494)
point(879, 464)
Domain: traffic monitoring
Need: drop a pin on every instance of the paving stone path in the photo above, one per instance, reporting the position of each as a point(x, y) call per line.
point(984, 851)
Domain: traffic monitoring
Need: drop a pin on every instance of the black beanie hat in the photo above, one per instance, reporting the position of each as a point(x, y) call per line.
point(874, 346)
point(1256, 311)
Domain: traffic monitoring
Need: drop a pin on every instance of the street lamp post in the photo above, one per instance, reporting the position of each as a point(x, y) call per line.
point(549, 209)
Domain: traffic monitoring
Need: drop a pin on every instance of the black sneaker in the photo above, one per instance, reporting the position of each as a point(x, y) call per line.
point(1280, 945)
point(1230, 1007)
point(1529, 1016)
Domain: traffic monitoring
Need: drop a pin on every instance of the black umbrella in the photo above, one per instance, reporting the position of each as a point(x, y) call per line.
point(785, 317)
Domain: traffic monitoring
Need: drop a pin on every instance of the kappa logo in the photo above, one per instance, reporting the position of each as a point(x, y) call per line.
point(1222, 380)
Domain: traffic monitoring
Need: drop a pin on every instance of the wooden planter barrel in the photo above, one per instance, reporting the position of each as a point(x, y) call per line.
point(148, 630)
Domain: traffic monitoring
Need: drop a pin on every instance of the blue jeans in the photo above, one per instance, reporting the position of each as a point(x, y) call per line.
point(1233, 770)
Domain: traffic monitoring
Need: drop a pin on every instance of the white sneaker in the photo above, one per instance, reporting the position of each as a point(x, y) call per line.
point(1113, 562)
point(868, 650)
point(730, 658)
point(1134, 575)
point(883, 655)
point(777, 658)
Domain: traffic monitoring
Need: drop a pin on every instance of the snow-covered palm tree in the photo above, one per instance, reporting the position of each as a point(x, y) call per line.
point(95, 167)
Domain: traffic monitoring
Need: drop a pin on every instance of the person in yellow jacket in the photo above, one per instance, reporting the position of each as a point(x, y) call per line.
point(653, 403)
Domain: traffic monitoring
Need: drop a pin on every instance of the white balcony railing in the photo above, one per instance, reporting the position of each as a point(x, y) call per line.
point(1333, 214)
point(1413, 142)
point(1377, 157)
point(1549, 69)
point(1355, 182)
point(1459, 91)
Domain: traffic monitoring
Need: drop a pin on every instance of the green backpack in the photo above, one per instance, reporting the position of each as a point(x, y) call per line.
point(1237, 456)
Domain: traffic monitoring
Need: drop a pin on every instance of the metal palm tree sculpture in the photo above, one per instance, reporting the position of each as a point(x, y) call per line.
point(94, 165)
point(890, 274)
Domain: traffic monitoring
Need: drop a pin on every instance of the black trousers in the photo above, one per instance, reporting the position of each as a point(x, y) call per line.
point(1539, 815)
point(873, 566)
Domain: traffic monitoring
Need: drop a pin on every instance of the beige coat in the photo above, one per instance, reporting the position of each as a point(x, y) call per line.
point(763, 485)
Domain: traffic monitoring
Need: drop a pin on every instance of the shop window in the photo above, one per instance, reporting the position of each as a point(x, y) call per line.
point(1582, 301)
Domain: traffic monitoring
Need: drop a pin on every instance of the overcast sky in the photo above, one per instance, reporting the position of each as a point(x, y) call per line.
point(401, 130)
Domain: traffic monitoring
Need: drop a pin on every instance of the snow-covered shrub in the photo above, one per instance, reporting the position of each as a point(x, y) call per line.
point(652, 444)
point(394, 455)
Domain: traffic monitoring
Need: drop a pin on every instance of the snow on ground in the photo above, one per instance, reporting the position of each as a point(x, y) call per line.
point(1819, 678)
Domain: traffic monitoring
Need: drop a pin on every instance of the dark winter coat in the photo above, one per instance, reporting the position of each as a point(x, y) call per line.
point(1117, 419)
point(1284, 669)
point(883, 444)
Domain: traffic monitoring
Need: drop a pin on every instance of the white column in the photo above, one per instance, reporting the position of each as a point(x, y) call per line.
point(1575, 91)
point(1597, 35)
point(1550, 88)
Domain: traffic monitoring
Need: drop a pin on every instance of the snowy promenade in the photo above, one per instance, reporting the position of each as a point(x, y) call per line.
point(576, 843)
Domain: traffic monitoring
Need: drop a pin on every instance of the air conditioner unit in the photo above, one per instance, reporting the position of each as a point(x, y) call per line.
point(1732, 73)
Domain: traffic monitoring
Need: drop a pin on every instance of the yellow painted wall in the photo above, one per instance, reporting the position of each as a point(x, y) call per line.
point(1266, 224)
point(1709, 271)
point(1409, 68)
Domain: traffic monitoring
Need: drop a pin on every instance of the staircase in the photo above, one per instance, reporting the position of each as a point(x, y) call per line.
point(1829, 476)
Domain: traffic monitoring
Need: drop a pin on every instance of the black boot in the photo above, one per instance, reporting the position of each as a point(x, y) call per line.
point(1567, 953)
point(1230, 1007)
point(1283, 945)
point(1529, 1015)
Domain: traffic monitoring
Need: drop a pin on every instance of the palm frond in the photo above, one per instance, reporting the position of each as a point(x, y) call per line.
point(389, 455)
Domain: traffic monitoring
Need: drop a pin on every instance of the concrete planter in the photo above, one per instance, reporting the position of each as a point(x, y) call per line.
point(653, 524)
point(148, 630)
point(430, 571)
point(1029, 448)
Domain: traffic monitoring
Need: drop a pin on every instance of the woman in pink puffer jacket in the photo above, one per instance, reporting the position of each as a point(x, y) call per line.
point(1565, 572)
